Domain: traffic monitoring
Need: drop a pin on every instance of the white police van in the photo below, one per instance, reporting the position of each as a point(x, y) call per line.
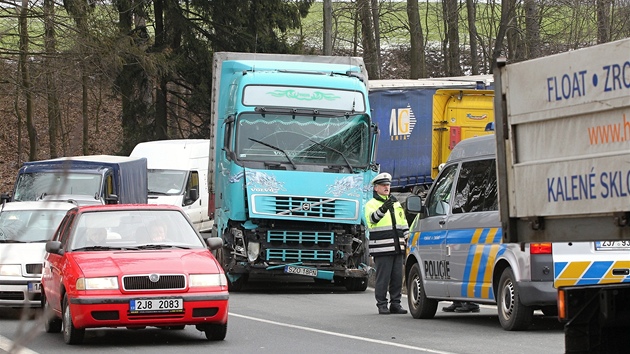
point(456, 250)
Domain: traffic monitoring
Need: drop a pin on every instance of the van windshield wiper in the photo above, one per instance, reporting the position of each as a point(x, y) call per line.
point(334, 150)
point(275, 148)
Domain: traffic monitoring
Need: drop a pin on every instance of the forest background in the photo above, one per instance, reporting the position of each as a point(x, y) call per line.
point(84, 77)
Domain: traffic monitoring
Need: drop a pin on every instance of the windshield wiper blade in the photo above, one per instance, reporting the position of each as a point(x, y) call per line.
point(334, 150)
point(275, 148)
point(97, 248)
point(11, 241)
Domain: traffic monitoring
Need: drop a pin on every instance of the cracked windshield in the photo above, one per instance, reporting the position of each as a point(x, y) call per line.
point(338, 141)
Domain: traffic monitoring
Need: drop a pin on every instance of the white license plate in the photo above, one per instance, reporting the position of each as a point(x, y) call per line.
point(310, 272)
point(34, 287)
point(612, 245)
point(156, 305)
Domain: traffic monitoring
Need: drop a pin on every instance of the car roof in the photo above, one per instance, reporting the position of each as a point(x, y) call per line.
point(479, 147)
point(38, 205)
point(111, 207)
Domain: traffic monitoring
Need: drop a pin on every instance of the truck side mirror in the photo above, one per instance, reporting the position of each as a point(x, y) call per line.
point(111, 199)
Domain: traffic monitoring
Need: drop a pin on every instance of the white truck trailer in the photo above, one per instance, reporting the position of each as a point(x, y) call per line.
point(563, 169)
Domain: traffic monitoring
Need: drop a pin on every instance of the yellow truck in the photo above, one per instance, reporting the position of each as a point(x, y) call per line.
point(458, 114)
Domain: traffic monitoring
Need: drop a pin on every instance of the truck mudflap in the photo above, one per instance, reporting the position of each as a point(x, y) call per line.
point(597, 317)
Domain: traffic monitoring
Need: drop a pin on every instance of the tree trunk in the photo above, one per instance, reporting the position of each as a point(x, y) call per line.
point(367, 34)
point(532, 30)
point(327, 27)
point(506, 17)
point(376, 20)
point(26, 81)
point(452, 21)
point(603, 21)
point(471, 7)
point(418, 66)
point(54, 111)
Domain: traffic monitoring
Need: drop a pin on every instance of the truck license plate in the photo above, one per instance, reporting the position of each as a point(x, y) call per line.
point(156, 305)
point(612, 245)
point(310, 272)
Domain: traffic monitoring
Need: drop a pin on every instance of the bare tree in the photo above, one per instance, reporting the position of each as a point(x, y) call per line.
point(327, 27)
point(26, 85)
point(451, 20)
point(471, 8)
point(532, 29)
point(603, 20)
point(376, 20)
point(417, 57)
point(367, 34)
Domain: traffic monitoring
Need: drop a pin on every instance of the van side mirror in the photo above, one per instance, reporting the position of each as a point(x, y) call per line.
point(193, 194)
point(413, 204)
point(111, 199)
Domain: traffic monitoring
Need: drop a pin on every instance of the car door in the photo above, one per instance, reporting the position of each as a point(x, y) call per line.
point(431, 234)
point(54, 264)
point(473, 241)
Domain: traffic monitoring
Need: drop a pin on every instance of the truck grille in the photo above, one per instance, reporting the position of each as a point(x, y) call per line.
point(293, 255)
point(305, 207)
point(302, 237)
point(165, 282)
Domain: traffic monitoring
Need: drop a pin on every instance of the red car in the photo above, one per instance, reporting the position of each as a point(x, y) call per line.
point(132, 266)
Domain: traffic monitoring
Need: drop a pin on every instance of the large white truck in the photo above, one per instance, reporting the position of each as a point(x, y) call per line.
point(563, 153)
point(178, 175)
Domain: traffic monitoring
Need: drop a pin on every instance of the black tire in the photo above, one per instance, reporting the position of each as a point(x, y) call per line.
point(237, 285)
point(356, 284)
point(513, 315)
point(215, 332)
point(419, 305)
point(52, 323)
point(71, 334)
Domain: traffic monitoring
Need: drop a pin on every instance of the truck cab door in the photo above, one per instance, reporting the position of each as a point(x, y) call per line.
point(431, 244)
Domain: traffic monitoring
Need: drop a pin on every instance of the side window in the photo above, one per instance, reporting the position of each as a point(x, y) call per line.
point(192, 184)
point(437, 202)
point(476, 187)
point(62, 231)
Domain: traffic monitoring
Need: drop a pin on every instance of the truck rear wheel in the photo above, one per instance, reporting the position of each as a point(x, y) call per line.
point(419, 305)
point(513, 315)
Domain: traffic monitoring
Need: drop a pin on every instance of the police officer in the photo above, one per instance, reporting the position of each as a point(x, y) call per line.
point(388, 234)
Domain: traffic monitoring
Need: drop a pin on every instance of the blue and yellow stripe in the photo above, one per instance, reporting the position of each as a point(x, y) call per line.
point(589, 272)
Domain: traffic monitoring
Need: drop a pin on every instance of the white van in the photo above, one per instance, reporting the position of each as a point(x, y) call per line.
point(178, 175)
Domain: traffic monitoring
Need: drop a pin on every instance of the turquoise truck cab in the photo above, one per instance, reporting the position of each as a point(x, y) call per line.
point(291, 162)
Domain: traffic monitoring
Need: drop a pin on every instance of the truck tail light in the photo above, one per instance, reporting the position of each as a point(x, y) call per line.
point(562, 311)
point(540, 248)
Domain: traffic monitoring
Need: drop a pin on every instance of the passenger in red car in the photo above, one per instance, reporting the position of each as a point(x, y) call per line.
point(96, 236)
point(158, 232)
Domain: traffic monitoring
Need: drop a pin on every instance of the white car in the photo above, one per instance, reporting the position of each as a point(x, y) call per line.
point(24, 229)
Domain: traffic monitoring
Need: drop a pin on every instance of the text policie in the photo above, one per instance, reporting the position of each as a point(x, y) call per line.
point(437, 269)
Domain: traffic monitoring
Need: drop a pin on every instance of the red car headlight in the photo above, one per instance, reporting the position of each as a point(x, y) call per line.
point(199, 280)
point(105, 283)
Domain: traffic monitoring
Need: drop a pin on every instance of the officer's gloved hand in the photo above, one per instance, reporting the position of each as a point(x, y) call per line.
point(386, 205)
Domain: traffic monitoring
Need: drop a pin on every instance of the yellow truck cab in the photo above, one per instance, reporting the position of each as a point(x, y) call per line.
point(458, 114)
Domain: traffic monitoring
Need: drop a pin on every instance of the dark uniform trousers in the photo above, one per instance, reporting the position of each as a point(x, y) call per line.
point(389, 277)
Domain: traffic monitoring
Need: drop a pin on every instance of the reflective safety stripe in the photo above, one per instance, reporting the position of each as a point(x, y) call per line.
point(586, 272)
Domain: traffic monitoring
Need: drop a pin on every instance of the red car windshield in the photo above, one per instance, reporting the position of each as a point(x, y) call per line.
point(133, 228)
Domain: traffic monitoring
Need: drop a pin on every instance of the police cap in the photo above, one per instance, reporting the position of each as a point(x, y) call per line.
point(382, 178)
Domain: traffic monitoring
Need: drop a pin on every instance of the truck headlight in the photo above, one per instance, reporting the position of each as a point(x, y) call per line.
point(253, 248)
point(12, 270)
point(105, 283)
point(198, 280)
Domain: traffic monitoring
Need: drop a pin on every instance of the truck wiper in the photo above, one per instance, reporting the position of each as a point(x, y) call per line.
point(275, 148)
point(334, 150)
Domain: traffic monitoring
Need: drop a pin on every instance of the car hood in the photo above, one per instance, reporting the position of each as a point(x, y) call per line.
point(100, 263)
point(22, 253)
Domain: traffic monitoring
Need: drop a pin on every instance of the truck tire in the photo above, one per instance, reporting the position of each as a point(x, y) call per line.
point(513, 315)
point(356, 284)
point(419, 305)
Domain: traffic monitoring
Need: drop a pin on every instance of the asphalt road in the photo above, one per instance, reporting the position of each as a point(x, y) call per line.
point(276, 318)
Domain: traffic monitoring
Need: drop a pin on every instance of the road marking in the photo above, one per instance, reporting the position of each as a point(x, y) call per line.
point(7, 345)
point(341, 335)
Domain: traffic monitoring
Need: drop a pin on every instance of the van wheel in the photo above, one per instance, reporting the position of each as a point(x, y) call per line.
point(513, 315)
point(419, 305)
